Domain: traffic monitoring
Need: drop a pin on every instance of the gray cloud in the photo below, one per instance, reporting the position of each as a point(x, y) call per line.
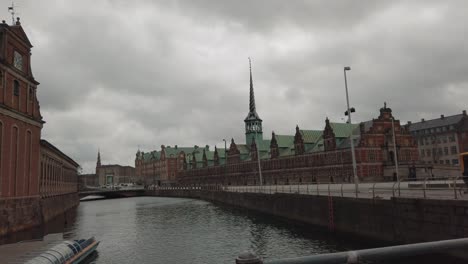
point(116, 75)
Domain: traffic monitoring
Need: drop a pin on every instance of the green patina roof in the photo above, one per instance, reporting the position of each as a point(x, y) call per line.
point(343, 130)
point(311, 136)
point(284, 141)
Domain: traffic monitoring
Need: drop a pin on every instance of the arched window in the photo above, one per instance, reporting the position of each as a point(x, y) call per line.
point(16, 88)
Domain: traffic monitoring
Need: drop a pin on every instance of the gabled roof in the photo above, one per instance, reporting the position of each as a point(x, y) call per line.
point(284, 141)
point(310, 136)
point(343, 130)
point(19, 32)
point(439, 122)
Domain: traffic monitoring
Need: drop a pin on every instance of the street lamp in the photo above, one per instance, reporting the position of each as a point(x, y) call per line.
point(349, 111)
point(258, 160)
point(225, 160)
point(395, 156)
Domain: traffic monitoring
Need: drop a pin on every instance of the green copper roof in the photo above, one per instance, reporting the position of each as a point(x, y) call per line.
point(311, 136)
point(343, 130)
point(284, 141)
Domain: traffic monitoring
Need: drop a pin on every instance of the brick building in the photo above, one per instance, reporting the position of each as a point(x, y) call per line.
point(58, 172)
point(20, 118)
point(311, 155)
point(440, 141)
point(114, 173)
point(162, 167)
point(29, 167)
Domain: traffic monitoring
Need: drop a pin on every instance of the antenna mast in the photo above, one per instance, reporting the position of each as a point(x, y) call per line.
point(11, 9)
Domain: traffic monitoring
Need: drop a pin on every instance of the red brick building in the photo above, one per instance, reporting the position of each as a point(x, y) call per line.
point(20, 118)
point(58, 172)
point(29, 167)
point(312, 155)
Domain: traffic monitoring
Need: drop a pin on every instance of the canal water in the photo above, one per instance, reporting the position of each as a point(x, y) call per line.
point(177, 230)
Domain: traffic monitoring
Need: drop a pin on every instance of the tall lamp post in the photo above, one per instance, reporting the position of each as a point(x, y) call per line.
point(395, 156)
point(225, 159)
point(356, 179)
point(258, 160)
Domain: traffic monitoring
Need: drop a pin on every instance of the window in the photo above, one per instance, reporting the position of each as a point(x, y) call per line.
point(446, 151)
point(428, 152)
point(455, 161)
point(453, 150)
point(447, 162)
point(452, 138)
point(16, 87)
point(31, 93)
point(421, 142)
point(422, 152)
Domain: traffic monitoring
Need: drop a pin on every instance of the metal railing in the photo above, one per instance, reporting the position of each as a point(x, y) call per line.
point(367, 255)
point(427, 188)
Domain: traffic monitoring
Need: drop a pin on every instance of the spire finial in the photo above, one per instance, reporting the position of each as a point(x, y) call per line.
point(98, 163)
point(252, 96)
point(385, 105)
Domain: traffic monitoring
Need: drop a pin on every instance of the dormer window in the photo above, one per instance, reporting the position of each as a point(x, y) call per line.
point(16, 88)
point(18, 61)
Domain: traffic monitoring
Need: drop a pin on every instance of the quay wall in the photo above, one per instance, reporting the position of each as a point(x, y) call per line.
point(398, 220)
point(22, 213)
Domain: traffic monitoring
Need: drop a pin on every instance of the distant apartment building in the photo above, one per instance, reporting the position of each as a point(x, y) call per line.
point(114, 173)
point(441, 140)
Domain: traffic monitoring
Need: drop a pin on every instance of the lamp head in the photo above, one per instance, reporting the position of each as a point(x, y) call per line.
point(347, 68)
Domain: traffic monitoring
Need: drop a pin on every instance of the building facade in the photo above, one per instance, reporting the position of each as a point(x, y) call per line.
point(312, 155)
point(20, 118)
point(58, 172)
point(114, 174)
point(441, 140)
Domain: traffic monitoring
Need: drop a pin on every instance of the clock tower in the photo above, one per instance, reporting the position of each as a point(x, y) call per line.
point(20, 118)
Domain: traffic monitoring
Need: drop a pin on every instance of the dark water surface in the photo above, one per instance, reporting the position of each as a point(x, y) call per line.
point(176, 230)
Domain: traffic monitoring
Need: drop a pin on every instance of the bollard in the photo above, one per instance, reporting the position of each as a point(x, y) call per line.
point(248, 258)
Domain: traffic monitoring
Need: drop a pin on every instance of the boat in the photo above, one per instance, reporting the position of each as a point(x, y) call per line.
point(67, 252)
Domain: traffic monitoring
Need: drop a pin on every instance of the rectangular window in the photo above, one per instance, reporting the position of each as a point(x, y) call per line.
point(447, 162)
point(422, 152)
point(452, 138)
point(16, 87)
point(453, 150)
point(446, 152)
point(428, 152)
point(455, 161)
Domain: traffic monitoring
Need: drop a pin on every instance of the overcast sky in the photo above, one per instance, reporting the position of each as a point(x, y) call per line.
point(116, 75)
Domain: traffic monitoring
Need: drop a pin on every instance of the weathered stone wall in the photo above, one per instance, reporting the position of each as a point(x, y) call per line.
point(18, 214)
point(57, 205)
point(399, 220)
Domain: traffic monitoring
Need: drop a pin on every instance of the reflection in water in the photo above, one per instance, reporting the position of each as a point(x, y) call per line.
point(176, 230)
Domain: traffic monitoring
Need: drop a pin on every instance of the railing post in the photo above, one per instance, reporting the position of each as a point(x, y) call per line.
point(328, 188)
point(393, 189)
point(455, 187)
point(424, 187)
point(318, 192)
point(342, 189)
point(373, 190)
point(307, 186)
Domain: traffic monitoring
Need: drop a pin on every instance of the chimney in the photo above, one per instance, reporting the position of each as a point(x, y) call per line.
point(422, 119)
point(464, 112)
point(175, 146)
point(441, 116)
point(409, 122)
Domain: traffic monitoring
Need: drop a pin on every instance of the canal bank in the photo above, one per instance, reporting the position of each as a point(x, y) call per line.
point(17, 214)
point(397, 220)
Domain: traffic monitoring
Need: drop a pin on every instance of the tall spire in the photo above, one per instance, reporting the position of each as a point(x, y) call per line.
point(253, 123)
point(98, 163)
point(252, 96)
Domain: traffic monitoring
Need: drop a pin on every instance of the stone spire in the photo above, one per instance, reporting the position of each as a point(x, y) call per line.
point(98, 163)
